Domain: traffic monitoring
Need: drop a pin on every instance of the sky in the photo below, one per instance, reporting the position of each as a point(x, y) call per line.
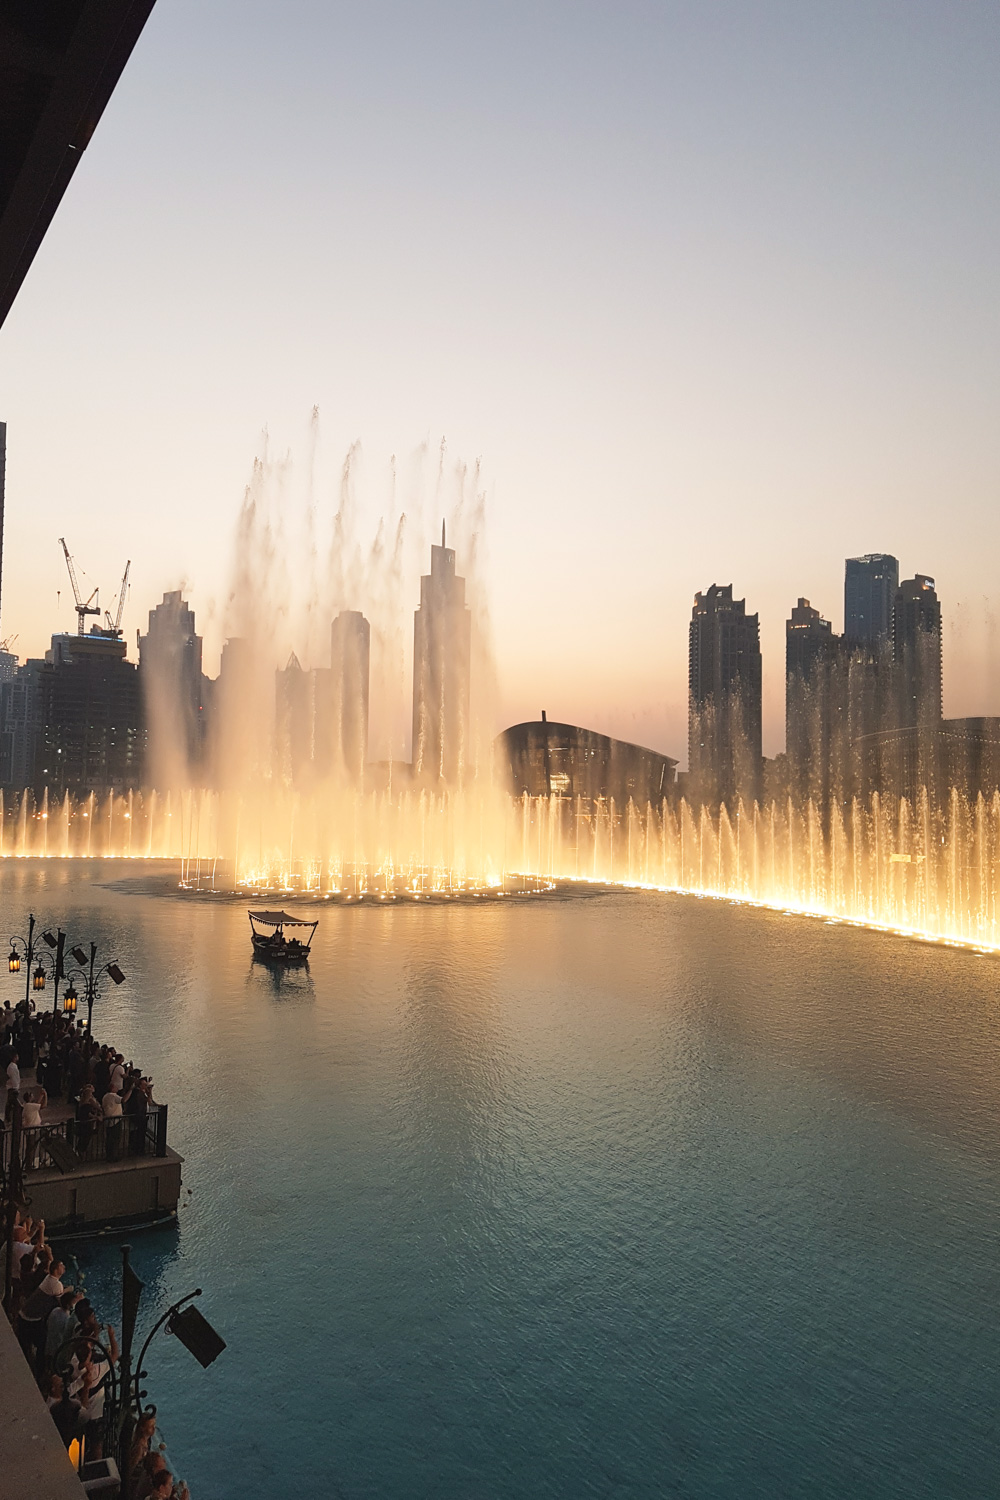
point(709, 290)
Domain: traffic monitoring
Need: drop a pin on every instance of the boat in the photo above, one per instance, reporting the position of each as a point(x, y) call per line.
point(267, 933)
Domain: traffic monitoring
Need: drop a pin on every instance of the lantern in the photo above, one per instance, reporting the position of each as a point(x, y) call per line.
point(69, 1002)
point(38, 979)
point(14, 962)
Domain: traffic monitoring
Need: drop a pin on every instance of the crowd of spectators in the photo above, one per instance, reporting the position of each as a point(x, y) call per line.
point(110, 1099)
point(74, 1358)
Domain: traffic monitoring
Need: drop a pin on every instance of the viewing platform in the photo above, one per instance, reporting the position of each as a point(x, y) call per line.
point(87, 1179)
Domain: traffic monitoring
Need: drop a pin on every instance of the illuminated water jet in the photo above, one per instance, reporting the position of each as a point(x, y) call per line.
point(932, 873)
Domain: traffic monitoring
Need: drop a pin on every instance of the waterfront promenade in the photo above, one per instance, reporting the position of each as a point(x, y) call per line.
point(89, 1138)
point(82, 1150)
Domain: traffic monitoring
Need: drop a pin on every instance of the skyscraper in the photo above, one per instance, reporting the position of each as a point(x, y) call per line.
point(20, 723)
point(170, 670)
point(813, 703)
point(870, 585)
point(242, 717)
point(916, 650)
point(442, 656)
point(293, 721)
point(724, 698)
point(342, 741)
point(914, 741)
point(808, 638)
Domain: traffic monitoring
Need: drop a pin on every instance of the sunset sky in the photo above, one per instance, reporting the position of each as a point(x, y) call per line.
point(712, 291)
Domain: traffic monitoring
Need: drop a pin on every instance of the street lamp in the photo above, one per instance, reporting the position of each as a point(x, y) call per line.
point(69, 1001)
point(181, 1319)
point(91, 978)
point(23, 948)
point(38, 964)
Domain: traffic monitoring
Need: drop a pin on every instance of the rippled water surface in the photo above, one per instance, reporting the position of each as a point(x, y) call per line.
point(620, 1195)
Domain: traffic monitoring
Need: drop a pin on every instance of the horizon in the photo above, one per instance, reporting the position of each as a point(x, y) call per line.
point(708, 295)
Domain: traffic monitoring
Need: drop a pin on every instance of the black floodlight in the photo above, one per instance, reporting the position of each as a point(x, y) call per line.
point(116, 974)
point(79, 955)
point(197, 1334)
point(52, 942)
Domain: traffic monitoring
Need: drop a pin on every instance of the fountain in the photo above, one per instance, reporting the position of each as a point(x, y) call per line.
point(257, 807)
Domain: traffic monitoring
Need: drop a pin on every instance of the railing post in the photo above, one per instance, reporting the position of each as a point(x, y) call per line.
point(161, 1131)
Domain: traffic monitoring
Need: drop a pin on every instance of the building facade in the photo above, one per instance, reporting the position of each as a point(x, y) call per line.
point(543, 759)
point(870, 585)
point(20, 722)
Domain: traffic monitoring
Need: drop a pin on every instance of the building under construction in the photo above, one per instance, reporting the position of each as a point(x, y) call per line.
point(74, 722)
point(91, 731)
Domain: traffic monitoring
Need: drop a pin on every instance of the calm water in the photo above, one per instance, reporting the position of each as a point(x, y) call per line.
point(617, 1196)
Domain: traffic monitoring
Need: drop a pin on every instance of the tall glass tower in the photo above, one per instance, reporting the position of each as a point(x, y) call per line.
point(870, 585)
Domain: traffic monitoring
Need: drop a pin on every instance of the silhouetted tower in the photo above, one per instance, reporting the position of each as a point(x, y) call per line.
point(170, 671)
point(346, 738)
point(240, 749)
point(293, 720)
point(442, 651)
point(724, 698)
point(916, 650)
point(870, 585)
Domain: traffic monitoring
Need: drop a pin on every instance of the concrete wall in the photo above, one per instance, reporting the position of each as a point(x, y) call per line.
point(106, 1193)
point(34, 1465)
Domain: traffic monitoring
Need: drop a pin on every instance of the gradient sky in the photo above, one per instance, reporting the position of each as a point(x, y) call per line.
point(711, 289)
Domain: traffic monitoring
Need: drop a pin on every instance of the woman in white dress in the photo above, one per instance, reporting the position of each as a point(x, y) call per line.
point(33, 1103)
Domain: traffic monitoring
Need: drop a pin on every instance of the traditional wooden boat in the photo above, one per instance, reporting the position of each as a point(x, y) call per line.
point(267, 933)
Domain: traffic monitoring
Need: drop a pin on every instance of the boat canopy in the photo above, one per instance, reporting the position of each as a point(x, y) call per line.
point(278, 919)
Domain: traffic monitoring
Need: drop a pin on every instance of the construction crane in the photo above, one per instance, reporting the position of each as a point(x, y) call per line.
point(114, 629)
point(82, 609)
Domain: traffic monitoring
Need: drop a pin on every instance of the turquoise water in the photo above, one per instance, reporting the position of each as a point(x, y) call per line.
point(617, 1196)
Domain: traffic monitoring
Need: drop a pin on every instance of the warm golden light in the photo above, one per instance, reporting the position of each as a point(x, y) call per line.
point(69, 1002)
point(926, 870)
point(38, 979)
point(14, 961)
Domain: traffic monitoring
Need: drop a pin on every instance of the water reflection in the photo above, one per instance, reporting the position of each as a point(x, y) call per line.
point(281, 982)
point(565, 1198)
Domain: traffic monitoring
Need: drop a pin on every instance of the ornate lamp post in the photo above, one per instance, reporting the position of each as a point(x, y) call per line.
point(39, 965)
point(91, 980)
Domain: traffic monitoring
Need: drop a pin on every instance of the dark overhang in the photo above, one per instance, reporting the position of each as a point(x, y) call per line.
point(59, 63)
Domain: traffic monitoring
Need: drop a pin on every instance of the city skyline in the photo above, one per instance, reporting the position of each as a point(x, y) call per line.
point(665, 386)
point(322, 709)
point(500, 726)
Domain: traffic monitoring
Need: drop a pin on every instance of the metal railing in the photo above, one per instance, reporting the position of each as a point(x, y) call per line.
point(69, 1144)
